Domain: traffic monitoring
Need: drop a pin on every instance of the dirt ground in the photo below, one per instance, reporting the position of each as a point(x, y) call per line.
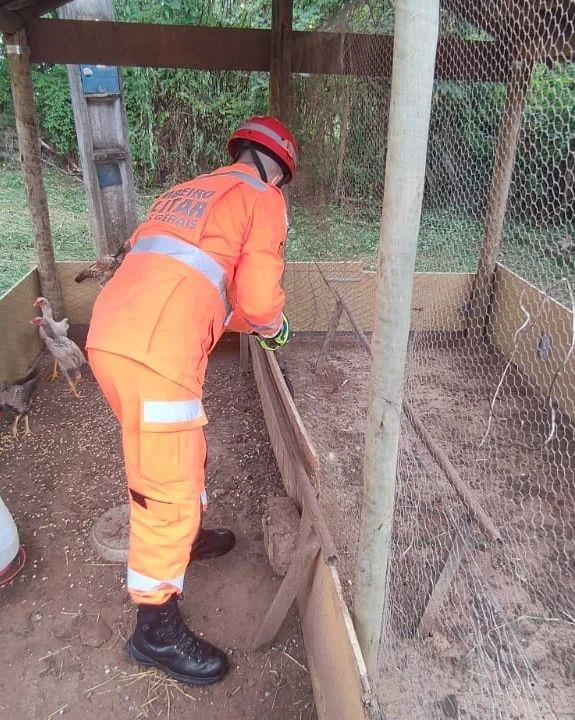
point(65, 619)
point(503, 642)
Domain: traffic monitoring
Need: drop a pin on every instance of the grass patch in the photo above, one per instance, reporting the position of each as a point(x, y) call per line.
point(448, 242)
point(68, 219)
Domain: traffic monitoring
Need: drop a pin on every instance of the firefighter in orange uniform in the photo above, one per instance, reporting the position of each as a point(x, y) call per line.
point(208, 257)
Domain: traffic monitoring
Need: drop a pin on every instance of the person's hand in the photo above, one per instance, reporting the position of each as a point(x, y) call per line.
point(281, 338)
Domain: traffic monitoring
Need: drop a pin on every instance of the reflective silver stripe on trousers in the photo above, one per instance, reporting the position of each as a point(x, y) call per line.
point(173, 411)
point(188, 254)
point(143, 583)
point(284, 142)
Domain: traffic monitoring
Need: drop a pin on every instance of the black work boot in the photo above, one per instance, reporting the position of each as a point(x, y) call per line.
point(212, 543)
point(162, 638)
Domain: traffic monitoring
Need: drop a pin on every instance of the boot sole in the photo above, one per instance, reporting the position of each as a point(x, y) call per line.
point(139, 657)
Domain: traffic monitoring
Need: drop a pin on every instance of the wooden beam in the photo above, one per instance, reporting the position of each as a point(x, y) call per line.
point(280, 58)
point(40, 7)
point(340, 302)
point(18, 54)
point(10, 22)
point(302, 438)
point(330, 334)
point(295, 579)
point(147, 45)
point(445, 579)
point(504, 163)
point(468, 497)
point(371, 55)
point(297, 458)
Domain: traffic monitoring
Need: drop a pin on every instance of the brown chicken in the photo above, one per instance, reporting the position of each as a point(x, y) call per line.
point(103, 269)
point(16, 397)
point(59, 327)
point(65, 352)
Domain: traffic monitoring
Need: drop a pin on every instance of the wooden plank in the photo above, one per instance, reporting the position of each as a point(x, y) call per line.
point(437, 297)
point(339, 677)
point(436, 301)
point(20, 344)
point(445, 579)
point(341, 686)
point(284, 425)
point(350, 316)
point(10, 22)
point(307, 550)
point(184, 46)
point(331, 330)
point(371, 55)
point(552, 321)
point(305, 446)
point(149, 45)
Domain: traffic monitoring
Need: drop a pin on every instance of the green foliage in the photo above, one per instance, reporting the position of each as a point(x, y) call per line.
point(68, 216)
point(178, 120)
point(54, 107)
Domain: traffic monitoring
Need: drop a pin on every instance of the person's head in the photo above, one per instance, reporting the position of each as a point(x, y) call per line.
point(268, 145)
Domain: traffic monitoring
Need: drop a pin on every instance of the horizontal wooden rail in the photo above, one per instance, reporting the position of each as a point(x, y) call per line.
point(220, 48)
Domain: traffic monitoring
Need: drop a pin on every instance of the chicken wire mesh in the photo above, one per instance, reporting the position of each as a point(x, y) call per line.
point(474, 627)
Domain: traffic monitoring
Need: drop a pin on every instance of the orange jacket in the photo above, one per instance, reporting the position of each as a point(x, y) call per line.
point(208, 255)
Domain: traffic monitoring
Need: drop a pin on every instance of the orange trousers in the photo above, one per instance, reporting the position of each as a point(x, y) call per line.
point(165, 453)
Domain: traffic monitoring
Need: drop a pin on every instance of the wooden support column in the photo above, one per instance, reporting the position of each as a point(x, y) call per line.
point(103, 143)
point(416, 31)
point(281, 59)
point(18, 55)
point(498, 196)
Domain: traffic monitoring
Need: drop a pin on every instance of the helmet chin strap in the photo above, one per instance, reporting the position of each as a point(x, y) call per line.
point(259, 164)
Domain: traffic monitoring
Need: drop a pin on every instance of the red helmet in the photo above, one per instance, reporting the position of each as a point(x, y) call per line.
point(270, 133)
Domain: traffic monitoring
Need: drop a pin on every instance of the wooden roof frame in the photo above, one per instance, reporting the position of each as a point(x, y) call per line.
point(549, 23)
point(185, 46)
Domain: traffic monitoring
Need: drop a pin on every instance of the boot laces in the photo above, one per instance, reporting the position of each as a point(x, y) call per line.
point(177, 632)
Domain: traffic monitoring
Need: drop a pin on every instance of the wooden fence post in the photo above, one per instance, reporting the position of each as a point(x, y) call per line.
point(103, 144)
point(280, 61)
point(18, 54)
point(498, 195)
point(416, 31)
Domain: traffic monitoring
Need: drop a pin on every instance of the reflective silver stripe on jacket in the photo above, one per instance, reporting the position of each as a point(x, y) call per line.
point(265, 330)
point(188, 254)
point(244, 177)
point(284, 142)
point(173, 411)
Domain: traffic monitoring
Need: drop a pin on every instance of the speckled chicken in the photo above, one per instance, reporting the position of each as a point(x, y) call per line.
point(59, 327)
point(16, 397)
point(65, 352)
point(103, 269)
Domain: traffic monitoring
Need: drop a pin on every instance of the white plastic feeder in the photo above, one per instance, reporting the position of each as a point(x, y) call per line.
point(12, 556)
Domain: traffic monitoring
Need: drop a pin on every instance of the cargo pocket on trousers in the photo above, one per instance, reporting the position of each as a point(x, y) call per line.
point(169, 433)
point(159, 456)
